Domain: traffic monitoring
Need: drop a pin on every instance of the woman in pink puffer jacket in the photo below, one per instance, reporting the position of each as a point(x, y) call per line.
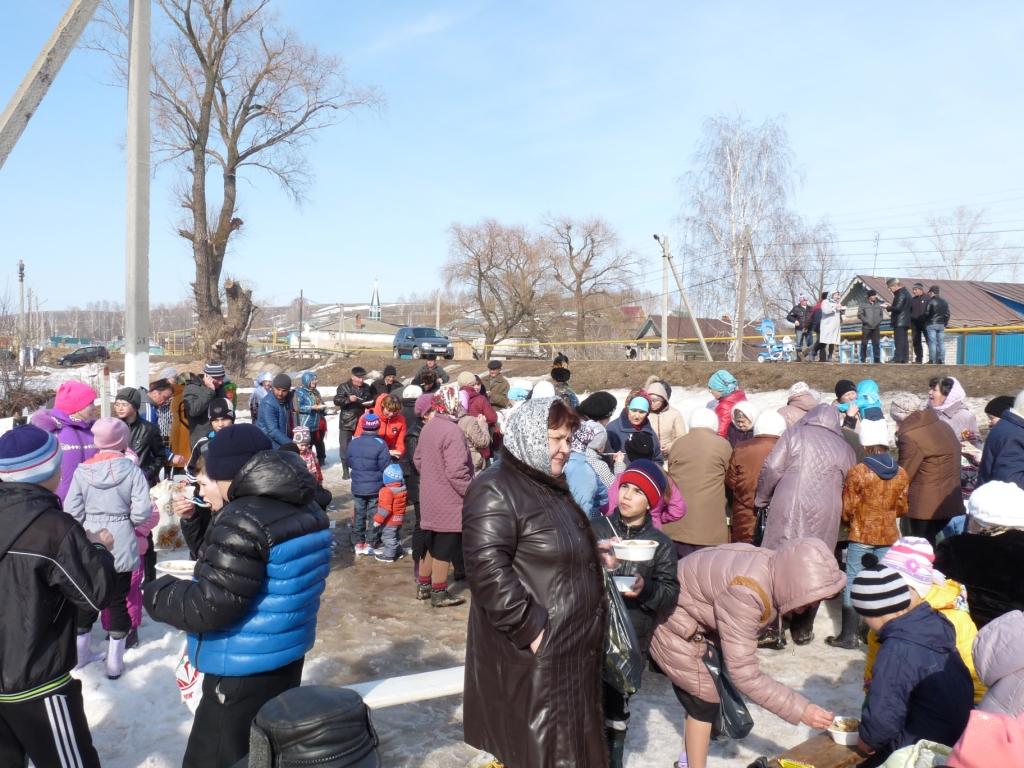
point(728, 595)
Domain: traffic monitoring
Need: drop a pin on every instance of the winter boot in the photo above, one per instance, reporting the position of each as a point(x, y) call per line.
point(422, 591)
point(132, 640)
point(115, 658)
point(616, 741)
point(345, 473)
point(848, 636)
point(442, 598)
point(85, 654)
point(862, 631)
point(801, 626)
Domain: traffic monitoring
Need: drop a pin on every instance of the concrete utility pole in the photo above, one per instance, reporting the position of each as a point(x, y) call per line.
point(742, 304)
point(437, 317)
point(686, 299)
point(21, 312)
point(136, 300)
point(664, 305)
point(42, 73)
point(300, 322)
point(342, 330)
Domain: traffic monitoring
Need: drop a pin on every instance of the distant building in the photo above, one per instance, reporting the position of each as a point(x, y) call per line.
point(682, 337)
point(375, 304)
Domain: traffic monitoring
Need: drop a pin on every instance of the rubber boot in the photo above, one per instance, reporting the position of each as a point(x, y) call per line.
point(345, 473)
point(616, 741)
point(115, 658)
point(847, 637)
point(85, 654)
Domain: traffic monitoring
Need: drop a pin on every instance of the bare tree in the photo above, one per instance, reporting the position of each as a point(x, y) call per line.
point(742, 176)
point(801, 259)
point(958, 246)
point(234, 90)
point(589, 264)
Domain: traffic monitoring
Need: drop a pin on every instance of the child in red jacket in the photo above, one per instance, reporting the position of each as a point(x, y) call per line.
point(391, 513)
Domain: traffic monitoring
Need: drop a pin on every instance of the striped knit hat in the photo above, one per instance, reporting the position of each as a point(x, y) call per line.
point(214, 369)
point(879, 591)
point(648, 477)
point(29, 455)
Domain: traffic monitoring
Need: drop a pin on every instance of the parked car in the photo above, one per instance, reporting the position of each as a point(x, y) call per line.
point(83, 355)
point(419, 340)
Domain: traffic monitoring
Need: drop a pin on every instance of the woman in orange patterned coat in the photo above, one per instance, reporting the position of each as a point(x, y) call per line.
point(874, 496)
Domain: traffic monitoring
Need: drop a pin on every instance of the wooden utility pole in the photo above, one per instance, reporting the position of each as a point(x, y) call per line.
point(741, 305)
point(437, 317)
point(682, 293)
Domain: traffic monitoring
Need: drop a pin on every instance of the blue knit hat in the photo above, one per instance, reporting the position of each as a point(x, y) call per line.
point(724, 382)
point(370, 422)
point(393, 474)
point(29, 455)
point(231, 448)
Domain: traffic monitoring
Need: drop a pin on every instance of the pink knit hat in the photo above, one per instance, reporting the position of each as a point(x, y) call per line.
point(912, 558)
point(73, 396)
point(110, 434)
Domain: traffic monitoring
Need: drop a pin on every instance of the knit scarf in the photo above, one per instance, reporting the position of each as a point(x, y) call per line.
point(526, 436)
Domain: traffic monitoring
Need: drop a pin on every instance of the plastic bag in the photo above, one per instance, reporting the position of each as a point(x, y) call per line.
point(733, 720)
point(623, 664)
point(760, 523)
point(190, 681)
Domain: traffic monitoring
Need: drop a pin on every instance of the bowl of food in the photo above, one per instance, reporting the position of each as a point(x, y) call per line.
point(179, 569)
point(624, 583)
point(637, 550)
point(845, 730)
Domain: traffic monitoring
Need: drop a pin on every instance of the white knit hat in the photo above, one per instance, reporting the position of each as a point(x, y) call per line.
point(703, 418)
point(997, 503)
point(798, 388)
point(543, 389)
point(874, 432)
point(770, 423)
point(748, 409)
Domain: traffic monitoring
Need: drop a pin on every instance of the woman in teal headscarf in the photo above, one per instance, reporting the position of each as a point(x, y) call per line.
point(309, 407)
point(726, 391)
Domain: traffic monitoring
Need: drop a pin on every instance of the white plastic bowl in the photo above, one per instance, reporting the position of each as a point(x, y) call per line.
point(848, 738)
point(624, 583)
point(637, 550)
point(179, 569)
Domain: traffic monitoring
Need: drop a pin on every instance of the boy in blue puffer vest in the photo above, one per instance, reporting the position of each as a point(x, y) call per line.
point(367, 457)
point(250, 610)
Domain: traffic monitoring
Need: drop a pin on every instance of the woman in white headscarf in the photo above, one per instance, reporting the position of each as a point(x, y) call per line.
point(535, 644)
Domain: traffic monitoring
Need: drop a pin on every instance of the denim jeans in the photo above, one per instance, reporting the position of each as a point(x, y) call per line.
point(936, 342)
point(390, 538)
point(854, 553)
point(365, 509)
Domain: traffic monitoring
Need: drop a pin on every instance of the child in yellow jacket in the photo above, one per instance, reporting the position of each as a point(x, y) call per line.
point(912, 558)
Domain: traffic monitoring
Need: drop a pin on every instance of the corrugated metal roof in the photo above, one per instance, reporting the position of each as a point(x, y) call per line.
point(969, 304)
point(1011, 291)
point(683, 327)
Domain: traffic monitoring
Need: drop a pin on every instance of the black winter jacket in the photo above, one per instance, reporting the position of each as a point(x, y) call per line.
point(441, 373)
point(899, 309)
point(660, 575)
point(937, 311)
point(381, 387)
point(271, 502)
point(918, 307)
point(799, 314)
point(348, 418)
point(144, 439)
point(412, 439)
point(48, 568)
point(920, 687)
point(989, 567)
point(196, 400)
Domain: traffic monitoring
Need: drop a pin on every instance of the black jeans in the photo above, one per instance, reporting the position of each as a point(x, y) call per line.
point(52, 730)
point(220, 730)
point(120, 621)
point(872, 336)
point(925, 529)
point(917, 336)
point(899, 338)
point(317, 439)
point(819, 352)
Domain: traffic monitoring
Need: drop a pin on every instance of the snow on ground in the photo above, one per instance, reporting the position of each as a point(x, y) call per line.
point(371, 627)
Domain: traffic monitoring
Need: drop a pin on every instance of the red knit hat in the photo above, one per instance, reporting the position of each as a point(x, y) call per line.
point(73, 396)
point(648, 477)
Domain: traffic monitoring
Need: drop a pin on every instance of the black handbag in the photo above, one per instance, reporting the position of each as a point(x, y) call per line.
point(733, 720)
point(760, 523)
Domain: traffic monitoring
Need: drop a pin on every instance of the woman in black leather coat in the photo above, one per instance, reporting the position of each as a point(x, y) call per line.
point(535, 645)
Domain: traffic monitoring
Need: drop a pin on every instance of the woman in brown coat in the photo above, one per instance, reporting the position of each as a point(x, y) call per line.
point(744, 467)
point(535, 644)
point(929, 450)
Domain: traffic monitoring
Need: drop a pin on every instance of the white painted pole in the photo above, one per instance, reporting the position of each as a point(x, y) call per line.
point(664, 308)
point(136, 335)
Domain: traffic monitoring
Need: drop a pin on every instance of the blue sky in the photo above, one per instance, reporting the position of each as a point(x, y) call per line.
point(514, 110)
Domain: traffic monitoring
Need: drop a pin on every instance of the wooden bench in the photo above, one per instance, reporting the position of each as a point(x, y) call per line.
point(409, 688)
point(821, 752)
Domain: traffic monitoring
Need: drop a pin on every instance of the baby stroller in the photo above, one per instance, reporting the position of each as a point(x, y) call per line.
point(773, 351)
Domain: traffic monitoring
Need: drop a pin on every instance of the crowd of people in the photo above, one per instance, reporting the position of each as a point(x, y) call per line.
point(523, 490)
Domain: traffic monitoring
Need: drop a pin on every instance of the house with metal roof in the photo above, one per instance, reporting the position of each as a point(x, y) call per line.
point(977, 313)
point(682, 337)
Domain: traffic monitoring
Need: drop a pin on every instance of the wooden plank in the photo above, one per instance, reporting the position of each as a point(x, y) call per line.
point(409, 688)
point(821, 752)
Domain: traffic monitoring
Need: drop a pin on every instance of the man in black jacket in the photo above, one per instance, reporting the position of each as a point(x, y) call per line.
point(918, 304)
point(799, 316)
point(431, 365)
point(197, 396)
point(870, 315)
point(899, 318)
point(936, 318)
point(143, 436)
point(387, 383)
point(49, 569)
point(352, 398)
